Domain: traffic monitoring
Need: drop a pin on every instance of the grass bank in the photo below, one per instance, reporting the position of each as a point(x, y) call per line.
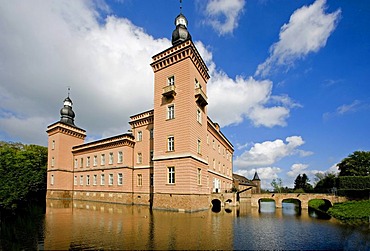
point(351, 212)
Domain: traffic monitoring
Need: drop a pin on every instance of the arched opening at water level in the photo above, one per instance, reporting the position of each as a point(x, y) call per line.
point(216, 205)
point(291, 206)
point(266, 205)
point(317, 208)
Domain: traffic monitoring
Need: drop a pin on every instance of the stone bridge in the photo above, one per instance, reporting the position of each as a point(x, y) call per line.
point(225, 198)
point(303, 198)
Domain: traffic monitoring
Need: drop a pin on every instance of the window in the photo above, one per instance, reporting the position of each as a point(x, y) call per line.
point(88, 180)
point(76, 163)
point(171, 175)
point(88, 161)
point(199, 176)
point(102, 179)
point(53, 145)
point(196, 84)
point(213, 144)
point(199, 116)
point(151, 155)
point(82, 162)
point(95, 160)
point(110, 158)
point(171, 112)
point(171, 144)
point(120, 179)
point(102, 159)
point(95, 179)
point(199, 146)
point(81, 180)
point(151, 133)
point(139, 136)
point(52, 161)
point(111, 179)
point(75, 180)
point(139, 179)
point(139, 158)
point(120, 157)
point(52, 180)
point(219, 149)
point(171, 80)
point(214, 164)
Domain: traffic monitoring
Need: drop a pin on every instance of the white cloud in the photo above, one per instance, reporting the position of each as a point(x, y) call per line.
point(297, 169)
point(268, 152)
point(266, 174)
point(107, 65)
point(344, 109)
point(307, 31)
point(223, 15)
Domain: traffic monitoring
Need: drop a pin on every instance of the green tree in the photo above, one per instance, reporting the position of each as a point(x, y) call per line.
point(277, 184)
point(301, 183)
point(22, 173)
point(356, 164)
point(326, 183)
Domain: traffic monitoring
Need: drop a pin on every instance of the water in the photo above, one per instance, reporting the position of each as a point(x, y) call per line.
point(86, 225)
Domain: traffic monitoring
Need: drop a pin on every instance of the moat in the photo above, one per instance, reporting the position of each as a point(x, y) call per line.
point(86, 225)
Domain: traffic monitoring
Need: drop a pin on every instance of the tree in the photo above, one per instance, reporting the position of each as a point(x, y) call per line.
point(356, 164)
point(302, 183)
point(22, 173)
point(326, 183)
point(277, 184)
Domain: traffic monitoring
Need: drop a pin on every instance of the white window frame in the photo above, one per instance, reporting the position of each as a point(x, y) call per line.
point(52, 180)
point(75, 180)
point(95, 160)
point(139, 159)
point(81, 180)
point(111, 177)
point(199, 176)
point(110, 158)
point(171, 144)
point(88, 180)
point(171, 80)
point(140, 136)
point(199, 146)
point(171, 112)
point(95, 179)
point(171, 175)
point(76, 163)
point(102, 179)
point(88, 161)
point(102, 159)
point(120, 157)
point(199, 116)
point(119, 179)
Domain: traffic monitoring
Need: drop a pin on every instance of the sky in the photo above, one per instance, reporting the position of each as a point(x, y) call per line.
point(289, 79)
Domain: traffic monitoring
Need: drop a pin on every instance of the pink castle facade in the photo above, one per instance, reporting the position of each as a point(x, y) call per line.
point(174, 157)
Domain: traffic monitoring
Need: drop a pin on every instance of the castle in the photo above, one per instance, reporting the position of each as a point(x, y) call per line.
point(174, 157)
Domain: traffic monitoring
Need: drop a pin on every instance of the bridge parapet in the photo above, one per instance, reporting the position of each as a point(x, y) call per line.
point(304, 198)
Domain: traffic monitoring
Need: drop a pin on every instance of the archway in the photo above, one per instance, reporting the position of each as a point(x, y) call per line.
point(216, 205)
point(291, 206)
point(266, 205)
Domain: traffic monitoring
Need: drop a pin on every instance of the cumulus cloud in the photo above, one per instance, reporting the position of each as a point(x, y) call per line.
point(223, 15)
point(268, 152)
point(266, 174)
point(106, 62)
point(307, 31)
point(297, 169)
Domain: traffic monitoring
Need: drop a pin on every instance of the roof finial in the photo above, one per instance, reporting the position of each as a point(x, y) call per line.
point(181, 6)
point(69, 89)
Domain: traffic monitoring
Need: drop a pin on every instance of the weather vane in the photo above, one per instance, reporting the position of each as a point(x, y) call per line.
point(69, 89)
point(180, 6)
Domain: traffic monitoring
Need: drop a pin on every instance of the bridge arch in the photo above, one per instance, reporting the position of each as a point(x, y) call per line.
point(216, 205)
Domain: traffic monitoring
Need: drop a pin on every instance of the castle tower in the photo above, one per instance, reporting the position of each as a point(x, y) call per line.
point(256, 180)
point(180, 124)
point(62, 136)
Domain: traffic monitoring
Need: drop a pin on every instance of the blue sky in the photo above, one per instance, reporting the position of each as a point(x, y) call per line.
point(289, 79)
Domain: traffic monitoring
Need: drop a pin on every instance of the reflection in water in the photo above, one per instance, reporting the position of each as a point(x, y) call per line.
point(87, 225)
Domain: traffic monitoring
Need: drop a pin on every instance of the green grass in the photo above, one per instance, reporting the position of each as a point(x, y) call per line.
point(352, 212)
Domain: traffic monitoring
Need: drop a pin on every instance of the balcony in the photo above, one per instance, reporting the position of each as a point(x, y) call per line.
point(169, 91)
point(201, 97)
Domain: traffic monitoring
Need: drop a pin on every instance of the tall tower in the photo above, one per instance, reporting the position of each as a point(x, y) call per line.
point(180, 124)
point(62, 136)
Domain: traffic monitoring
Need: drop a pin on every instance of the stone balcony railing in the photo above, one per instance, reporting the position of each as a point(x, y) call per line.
point(169, 91)
point(201, 97)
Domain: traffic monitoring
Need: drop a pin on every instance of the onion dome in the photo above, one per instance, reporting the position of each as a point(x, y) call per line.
point(180, 34)
point(67, 114)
